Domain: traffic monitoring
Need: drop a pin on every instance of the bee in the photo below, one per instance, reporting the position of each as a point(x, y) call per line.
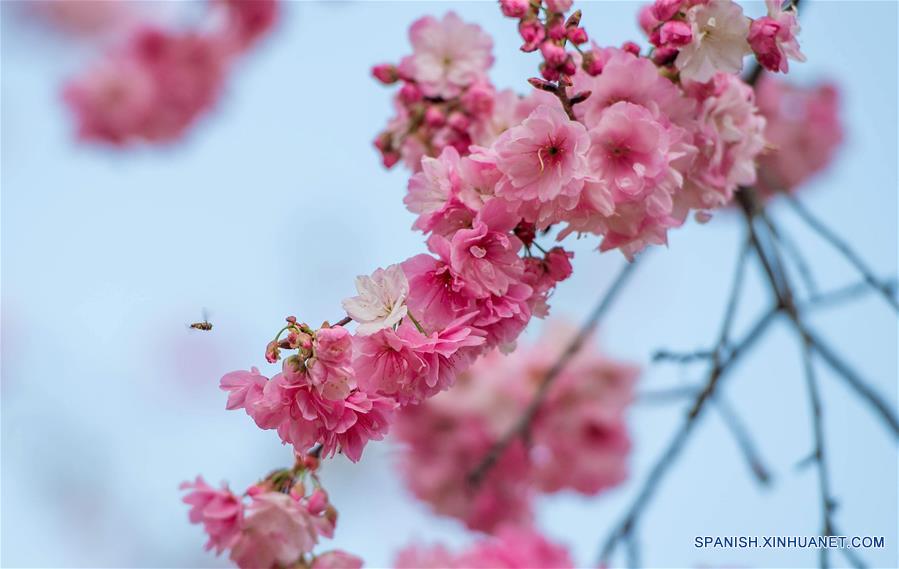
point(205, 325)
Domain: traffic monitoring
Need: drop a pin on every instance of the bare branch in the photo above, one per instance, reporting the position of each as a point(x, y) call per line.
point(523, 425)
point(744, 441)
point(861, 387)
point(827, 501)
point(626, 526)
point(884, 288)
point(844, 294)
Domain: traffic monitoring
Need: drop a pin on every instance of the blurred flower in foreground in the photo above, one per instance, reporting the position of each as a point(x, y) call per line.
point(579, 439)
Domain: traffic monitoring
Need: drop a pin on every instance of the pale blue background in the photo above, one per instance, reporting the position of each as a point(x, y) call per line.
point(271, 207)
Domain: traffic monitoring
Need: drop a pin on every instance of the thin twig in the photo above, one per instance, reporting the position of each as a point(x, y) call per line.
point(861, 387)
point(744, 441)
point(523, 425)
point(667, 395)
point(681, 357)
point(887, 291)
point(843, 294)
point(626, 526)
point(791, 249)
point(819, 452)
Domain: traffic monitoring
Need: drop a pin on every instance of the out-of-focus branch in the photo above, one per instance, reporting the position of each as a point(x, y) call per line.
point(883, 287)
point(843, 294)
point(522, 427)
point(744, 441)
point(626, 526)
point(819, 452)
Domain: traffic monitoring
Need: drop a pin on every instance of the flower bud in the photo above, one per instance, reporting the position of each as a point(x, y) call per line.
point(514, 8)
point(385, 73)
point(577, 36)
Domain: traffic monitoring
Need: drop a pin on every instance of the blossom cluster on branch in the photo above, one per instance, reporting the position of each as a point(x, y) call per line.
point(578, 440)
point(159, 81)
point(609, 142)
point(275, 523)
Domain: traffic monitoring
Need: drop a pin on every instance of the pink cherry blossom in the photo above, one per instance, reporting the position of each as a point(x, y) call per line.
point(220, 512)
point(719, 41)
point(394, 363)
point(277, 531)
point(486, 255)
point(626, 77)
point(773, 38)
point(330, 367)
point(629, 151)
point(434, 194)
point(381, 302)
point(248, 20)
point(729, 136)
point(543, 161)
point(436, 293)
point(448, 54)
point(803, 132)
point(336, 560)
point(510, 548)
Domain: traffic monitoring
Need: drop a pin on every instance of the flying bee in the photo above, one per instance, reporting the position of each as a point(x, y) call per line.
point(205, 325)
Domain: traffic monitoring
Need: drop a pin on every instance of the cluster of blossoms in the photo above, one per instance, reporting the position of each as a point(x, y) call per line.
point(699, 38)
point(158, 82)
point(275, 523)
point(626, 156)
point(803, 131)
point(578, 439)
point(610, 143)
point(509, 549)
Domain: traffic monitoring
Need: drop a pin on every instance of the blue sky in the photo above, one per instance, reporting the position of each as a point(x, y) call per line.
point(271, 207)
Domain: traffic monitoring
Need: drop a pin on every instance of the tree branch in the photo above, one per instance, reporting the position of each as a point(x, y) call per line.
point(885, 290)
point(523, 425)
point(827, 502)
point(626, 526)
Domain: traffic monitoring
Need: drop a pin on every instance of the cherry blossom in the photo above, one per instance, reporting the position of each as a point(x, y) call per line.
point(718, 40)
point(773, 38)
point(381, 302)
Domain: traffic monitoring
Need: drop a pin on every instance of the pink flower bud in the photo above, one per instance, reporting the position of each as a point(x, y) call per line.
point(569, 68)
point(550, 73)
point(664, 10)
point(318, 502)
point(459, 121)
point(554, 54)
point(676, 33)
point(664, 55)
point(434, 117)
point(647, 20)
point(389, 159)
point(577, 36)
point(558, 5)
point(514, 8)
point(385, 73)
point(558, 263)
point(591, 64)
point(410, 93)
point(532, 33)
point(478, 99)
point(631, 47)
point(557, 30)
point(272, 353)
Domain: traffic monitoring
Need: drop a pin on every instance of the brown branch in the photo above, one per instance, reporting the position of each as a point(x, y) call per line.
point(838, 243)
point(523, 425)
